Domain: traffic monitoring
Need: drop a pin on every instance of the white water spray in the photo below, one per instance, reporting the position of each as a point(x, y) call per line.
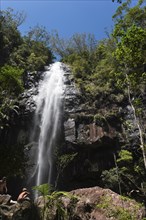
point(48, 122)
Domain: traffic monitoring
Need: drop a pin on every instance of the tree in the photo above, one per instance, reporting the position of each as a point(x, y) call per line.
point(78, 43)
point(11, 80)
point(19, 54)
point(125, 17)
point(31, 52)
point(11, 86)
point(131, 49)
point(39, 34)
point(53, 202)
point(129, 77)
point(10, 37)
point(118, 1)
point(130, 55)
point(31, 55)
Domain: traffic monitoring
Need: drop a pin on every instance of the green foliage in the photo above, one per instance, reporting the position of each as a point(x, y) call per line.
point(31, 55)
point(110, 179)
point(65, 159)
point(10, 87)
point(7, 109)
point(129, 174)
point(34, 53)
point(100, 75)
point(130, 53)
point(30, 52)
point(10, 36)
point(99, 71)
point(120, 213)
point(125, 158)
point(130, 35)
point(80, 53)
point(19, 54)
point(62, 162)
point(93, 69)
point(78, 44)
point(53, 201)
point(127, 16)
point(11, 80)
point(39, 34)
point(43, 189)
point(132, 47)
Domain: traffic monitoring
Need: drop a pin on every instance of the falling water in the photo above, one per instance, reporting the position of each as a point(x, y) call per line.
point(48, 122)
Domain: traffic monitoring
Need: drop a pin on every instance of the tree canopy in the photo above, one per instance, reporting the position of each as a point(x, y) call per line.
point(18, 54)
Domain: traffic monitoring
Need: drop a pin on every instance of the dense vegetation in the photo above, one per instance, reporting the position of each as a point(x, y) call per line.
point(18, 54)
point(113, 69)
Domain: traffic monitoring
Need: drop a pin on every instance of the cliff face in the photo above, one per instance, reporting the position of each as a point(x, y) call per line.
point(92, 135)
point(91, 138)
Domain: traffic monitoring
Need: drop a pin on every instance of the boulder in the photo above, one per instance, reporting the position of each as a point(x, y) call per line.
point(17, 211)
point(93, 203)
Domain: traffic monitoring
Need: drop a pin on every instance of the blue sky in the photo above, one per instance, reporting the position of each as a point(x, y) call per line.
point(67, 17)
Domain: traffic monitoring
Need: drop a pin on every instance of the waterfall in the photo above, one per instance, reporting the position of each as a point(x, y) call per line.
point(48, 118)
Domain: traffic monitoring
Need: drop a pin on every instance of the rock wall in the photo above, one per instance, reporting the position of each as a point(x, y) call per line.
point(91, 137)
